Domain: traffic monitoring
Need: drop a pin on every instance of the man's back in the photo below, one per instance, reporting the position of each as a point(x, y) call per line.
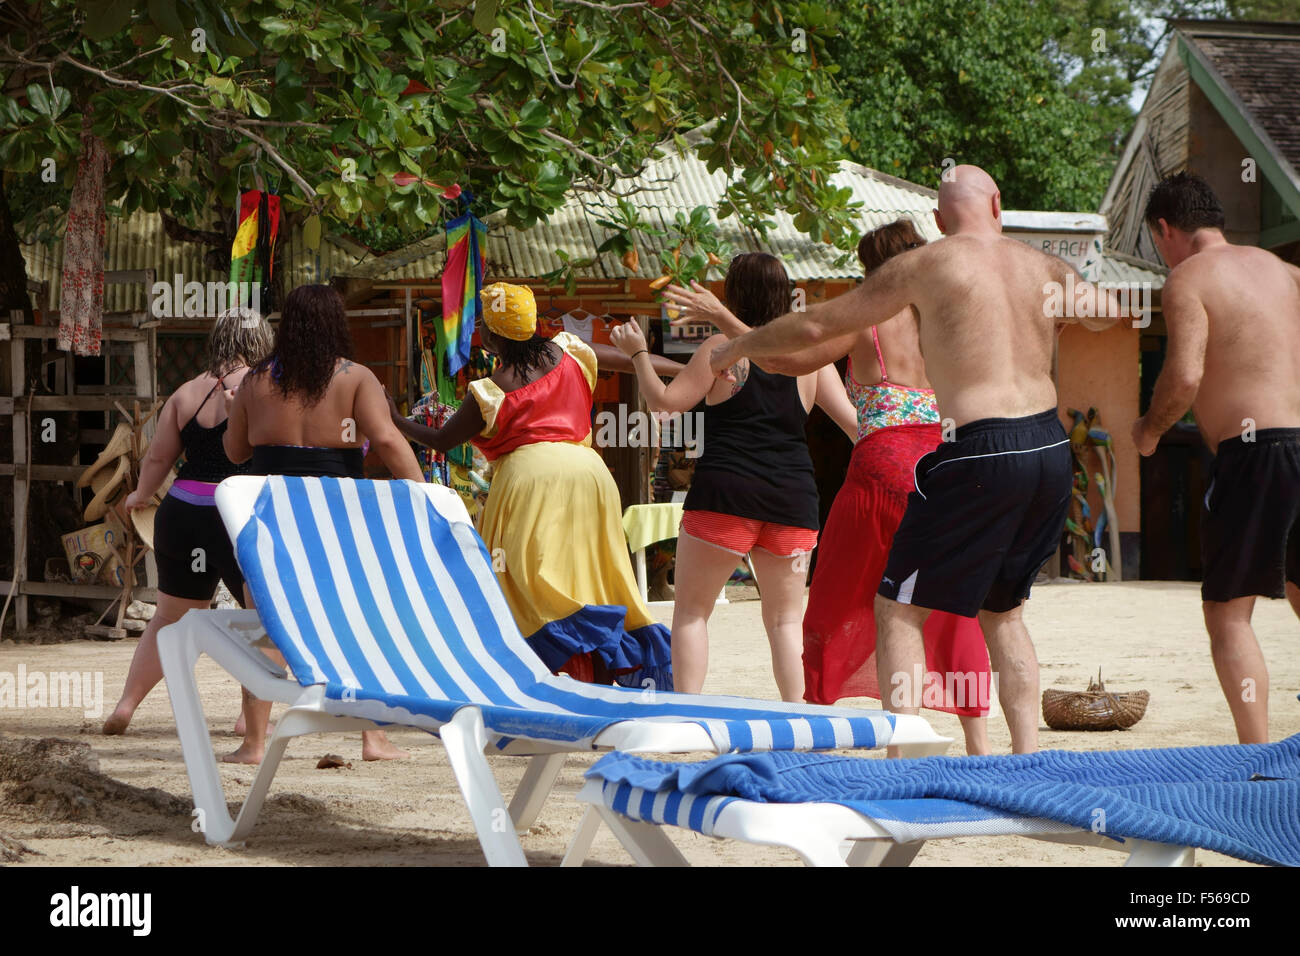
point(1251, 299)
point(985, 330)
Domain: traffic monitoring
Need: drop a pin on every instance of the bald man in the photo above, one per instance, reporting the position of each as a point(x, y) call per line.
point(989, 506)
point(1233, 316)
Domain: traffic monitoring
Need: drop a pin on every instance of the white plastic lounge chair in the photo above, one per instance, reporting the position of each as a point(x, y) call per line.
point(383, 600)
point(823, 834)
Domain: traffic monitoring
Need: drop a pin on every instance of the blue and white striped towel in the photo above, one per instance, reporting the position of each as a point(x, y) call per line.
point(1240, 800)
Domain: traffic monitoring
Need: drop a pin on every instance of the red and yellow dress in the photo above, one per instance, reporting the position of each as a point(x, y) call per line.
point(553, 525)
point(896, 426)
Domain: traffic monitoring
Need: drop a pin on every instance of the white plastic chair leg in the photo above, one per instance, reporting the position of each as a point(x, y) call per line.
point(534, 788)
point(580, 845)
point(645, 842)
point(464, 738)
point(934, 748)
point(295, 722)
point(867, 852)
point(178, 650)
point(900, 854)
point(1145, 853)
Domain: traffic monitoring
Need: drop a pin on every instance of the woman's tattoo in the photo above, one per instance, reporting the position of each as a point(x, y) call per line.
point(741, 372)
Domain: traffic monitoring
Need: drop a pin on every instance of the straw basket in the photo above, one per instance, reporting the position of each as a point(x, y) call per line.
point(1093, 709)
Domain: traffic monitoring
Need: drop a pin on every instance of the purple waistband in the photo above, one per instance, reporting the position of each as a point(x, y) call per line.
point(193, 492)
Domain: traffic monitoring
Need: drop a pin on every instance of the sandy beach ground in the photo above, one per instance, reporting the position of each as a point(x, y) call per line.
point(126, 800)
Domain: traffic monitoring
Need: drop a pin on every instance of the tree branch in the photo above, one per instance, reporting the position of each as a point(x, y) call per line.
point(308, 190)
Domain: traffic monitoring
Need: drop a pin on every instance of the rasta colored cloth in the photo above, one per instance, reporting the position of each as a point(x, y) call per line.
point(462, 278)
point(81, 296)
point(553, 526)
point(253, 251)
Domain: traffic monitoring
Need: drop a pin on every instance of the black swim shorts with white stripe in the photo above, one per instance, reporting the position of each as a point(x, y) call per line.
point(1250, 519)
point(988, 510)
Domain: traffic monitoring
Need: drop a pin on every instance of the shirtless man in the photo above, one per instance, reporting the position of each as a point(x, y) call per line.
point(1233, 314)
point(989, 508)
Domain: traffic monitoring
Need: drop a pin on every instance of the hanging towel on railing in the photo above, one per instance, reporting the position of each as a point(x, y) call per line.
point(81, 295)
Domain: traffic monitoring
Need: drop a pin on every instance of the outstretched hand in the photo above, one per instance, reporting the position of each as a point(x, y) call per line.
point(392, 405)
point(628, 338)
point(1146, 444)
point(721, 361)
point(696, 304)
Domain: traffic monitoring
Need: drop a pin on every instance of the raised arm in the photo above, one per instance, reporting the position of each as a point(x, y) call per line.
point(834, 401)
point(699, 304)
point(162, 454)
point(686, 390)
point(883, 294)
point(1180, 376)
point(1103, 305)
point(460, 428)
point(370, 409)
point(610, 359)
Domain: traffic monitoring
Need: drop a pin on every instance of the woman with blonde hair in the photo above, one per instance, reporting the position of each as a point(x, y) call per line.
point(190, 542)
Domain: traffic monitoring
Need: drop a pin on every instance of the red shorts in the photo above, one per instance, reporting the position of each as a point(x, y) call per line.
point(742, 535)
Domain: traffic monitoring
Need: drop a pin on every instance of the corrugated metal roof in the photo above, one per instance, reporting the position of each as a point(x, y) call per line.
point(675, 182)
point(140, 242)
point(1117, 267)
point(678, 182)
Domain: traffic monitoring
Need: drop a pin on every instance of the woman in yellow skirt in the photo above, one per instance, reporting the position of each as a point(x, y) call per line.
point(553, 520)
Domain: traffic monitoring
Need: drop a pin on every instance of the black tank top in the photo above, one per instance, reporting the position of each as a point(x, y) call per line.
point(755, 461)
point(205, 455)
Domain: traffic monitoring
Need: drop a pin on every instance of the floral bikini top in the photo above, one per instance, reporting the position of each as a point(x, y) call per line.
point(886, 405)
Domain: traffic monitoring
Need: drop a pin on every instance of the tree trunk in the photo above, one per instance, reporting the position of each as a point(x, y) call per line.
point(13, 269)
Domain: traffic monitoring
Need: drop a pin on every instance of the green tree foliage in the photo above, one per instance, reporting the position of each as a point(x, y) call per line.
point(934, 83)
point(1039, 92)
point(1107, 49)
point(378, 116)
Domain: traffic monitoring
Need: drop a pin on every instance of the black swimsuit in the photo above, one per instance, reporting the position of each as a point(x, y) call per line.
point(190, 541)
point(308, 462)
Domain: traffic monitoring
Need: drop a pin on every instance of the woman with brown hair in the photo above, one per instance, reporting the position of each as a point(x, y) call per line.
point(754, 490)
point(307, 409)
point(897, 421)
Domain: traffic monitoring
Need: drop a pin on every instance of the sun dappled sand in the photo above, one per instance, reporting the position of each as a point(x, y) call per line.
point(124, 800)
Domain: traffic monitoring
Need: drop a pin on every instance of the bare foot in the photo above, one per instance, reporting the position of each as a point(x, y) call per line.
point(241, 725)
point(245, 754)
point(375, 745)
point(117, 721)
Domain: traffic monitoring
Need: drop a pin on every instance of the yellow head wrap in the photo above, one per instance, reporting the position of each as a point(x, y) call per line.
point(510, 310)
